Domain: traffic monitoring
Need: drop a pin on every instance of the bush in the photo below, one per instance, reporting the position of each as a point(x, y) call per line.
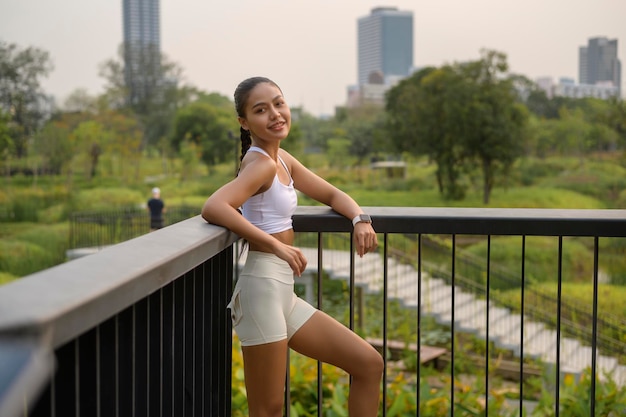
point(106, 199)
point(34, 249)
point(5, 278)
point(25, 204)
point(575, 398)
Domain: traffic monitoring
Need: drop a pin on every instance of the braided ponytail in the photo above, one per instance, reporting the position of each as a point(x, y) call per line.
point(246, 141)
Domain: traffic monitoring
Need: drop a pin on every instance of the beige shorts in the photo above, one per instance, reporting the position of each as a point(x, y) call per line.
point(264, 307)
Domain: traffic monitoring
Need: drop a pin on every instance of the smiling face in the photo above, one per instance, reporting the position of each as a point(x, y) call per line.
point(267, 115)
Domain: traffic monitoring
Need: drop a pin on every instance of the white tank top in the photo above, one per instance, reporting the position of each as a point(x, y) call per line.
point(271, 210)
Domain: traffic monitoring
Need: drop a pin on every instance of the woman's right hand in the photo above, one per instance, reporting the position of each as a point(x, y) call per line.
point(293, 256)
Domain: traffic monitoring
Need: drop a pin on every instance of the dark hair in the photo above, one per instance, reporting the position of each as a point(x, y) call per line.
point(242, 93)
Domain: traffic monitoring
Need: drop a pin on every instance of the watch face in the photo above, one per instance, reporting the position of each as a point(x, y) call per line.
point(365, 218)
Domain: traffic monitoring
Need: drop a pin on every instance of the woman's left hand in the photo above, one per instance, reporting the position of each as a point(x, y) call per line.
point(365, 238)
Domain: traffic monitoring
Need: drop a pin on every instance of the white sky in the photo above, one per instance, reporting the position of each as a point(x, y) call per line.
point(308, 48)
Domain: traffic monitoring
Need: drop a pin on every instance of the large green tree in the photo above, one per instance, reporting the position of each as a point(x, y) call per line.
point(462, 116)
point(493, 120)
point(21, 95)
point(422, 121)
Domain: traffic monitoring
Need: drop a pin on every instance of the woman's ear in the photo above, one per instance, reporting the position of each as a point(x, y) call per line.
point(243, 123)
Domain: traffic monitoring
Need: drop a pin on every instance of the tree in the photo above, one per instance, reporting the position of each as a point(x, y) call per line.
point(364, 127)
point(493, 119)
point(88, 138)
point(122, 142)
point(422, 121)
point(53, 145)
point(156, 106)
point(6, 143)
point(461, 116)
point(209, 127)
point(21, 95)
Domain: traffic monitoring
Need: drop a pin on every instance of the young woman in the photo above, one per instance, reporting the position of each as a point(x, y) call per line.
point(267, 315)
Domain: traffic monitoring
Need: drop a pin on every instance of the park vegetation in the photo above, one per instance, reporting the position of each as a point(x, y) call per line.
point(471, 134)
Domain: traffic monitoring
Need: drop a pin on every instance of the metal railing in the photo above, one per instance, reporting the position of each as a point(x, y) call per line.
point(141, 327)
point(94, 229)
point(137, 329)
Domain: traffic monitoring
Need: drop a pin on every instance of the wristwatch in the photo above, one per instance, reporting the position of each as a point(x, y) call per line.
point(361, 218)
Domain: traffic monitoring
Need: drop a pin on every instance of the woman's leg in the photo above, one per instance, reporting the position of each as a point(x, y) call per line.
point(325, 339)
point(265, 368)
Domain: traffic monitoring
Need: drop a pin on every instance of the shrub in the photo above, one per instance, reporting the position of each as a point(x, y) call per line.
point(34, 249)
point(22, 258)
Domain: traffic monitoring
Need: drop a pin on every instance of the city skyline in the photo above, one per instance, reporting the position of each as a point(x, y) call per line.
point(310, 50)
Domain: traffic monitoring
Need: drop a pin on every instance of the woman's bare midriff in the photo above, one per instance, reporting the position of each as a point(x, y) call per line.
point(285, 237)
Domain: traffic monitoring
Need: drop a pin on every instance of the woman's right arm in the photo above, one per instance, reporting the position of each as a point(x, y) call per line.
point(221, 209)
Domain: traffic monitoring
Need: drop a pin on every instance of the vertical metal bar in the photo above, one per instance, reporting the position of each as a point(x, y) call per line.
point(141, 338)
point(188, 344)
point(167, 351)
point(521, 336)
point(125, 363)
point(288, 386)
point(558, 327)
point(488, 293)
point(178, 335)
point(199, 324)
point(452, 340)
point(594, 347)
point(419, 322)
point(320, 270)
point(352, 283)
point(385, 316)
point(154, 355)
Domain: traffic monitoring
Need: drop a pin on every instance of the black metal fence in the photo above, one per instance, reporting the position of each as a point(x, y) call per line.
point(103, 228)
point(140, 328)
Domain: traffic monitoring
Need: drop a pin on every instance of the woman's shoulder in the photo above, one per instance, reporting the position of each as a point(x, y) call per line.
point(257, 164)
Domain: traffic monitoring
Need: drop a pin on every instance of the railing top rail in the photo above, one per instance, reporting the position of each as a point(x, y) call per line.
point(472, 221)
point(64, 301)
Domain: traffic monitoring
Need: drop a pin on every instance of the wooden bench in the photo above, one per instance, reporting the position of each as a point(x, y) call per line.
point(396, 347)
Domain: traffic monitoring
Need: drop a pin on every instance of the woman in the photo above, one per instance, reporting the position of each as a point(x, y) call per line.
point(267, 316)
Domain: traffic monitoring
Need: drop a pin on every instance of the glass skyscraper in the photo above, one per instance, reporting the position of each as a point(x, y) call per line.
point(385, 45)
point(598, 63)
point(142, 49)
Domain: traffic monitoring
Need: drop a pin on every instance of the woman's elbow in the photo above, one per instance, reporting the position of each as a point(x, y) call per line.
point(207, 211)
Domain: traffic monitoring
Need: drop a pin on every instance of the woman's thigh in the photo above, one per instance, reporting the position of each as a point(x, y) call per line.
point(325, 339)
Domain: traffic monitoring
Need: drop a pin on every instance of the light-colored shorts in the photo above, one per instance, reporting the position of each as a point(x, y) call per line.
point(264, 307)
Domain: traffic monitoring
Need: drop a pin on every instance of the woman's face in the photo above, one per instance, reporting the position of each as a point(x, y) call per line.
point(267, 114)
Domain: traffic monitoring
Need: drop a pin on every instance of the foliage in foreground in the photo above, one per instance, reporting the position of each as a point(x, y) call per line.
point(435, 398)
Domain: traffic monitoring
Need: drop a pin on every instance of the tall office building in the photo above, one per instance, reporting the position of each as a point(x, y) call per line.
point(142, 49)
point(598, 63)
point(385, 46)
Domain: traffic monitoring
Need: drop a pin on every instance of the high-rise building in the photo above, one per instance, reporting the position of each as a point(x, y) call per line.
point(598, 63)
point(142, 49)
point(385, 46)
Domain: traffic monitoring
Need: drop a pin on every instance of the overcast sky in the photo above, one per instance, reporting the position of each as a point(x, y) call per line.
point(308, 47)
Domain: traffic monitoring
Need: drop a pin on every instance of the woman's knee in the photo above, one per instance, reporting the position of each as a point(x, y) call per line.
point(371, 365)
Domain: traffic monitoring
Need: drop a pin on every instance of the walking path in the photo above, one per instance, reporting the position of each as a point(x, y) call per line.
point(470, 312)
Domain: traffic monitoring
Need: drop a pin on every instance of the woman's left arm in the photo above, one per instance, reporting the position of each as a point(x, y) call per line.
point(321, 190)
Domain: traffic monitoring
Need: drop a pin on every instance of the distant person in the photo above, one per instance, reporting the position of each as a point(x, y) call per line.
point(156, 207)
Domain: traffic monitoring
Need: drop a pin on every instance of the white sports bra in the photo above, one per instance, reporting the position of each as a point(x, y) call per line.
point(271, 210)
